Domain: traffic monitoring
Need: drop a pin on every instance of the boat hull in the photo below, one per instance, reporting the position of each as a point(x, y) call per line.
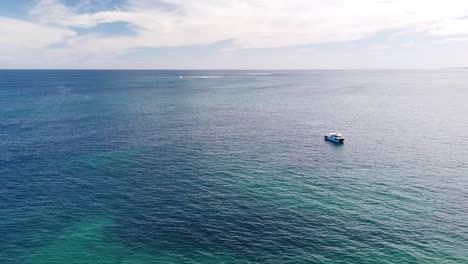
point(334, 140)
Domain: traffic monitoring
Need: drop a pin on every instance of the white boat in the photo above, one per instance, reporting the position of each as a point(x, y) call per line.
point(335, 137)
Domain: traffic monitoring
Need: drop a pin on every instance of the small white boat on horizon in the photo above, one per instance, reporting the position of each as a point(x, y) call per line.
point(335, 137)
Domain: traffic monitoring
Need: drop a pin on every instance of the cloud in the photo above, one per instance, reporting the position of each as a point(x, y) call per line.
point(250, 24)
point(262, 23)
point(450, 27)
point(17, 34)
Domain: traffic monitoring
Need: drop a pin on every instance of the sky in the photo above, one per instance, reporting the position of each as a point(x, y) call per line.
point(233, 34)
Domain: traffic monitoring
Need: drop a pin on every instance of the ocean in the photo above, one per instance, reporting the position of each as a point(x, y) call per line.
point(139, 167)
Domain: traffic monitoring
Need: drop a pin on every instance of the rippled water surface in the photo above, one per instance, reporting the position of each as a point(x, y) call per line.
point(142, 167)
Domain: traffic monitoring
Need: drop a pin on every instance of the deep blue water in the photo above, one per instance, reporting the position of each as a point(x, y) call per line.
point(231, 167)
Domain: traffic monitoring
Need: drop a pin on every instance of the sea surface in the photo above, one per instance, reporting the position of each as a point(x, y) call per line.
point(139, 167)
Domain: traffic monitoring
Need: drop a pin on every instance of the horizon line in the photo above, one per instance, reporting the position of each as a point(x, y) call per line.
point(228, 69)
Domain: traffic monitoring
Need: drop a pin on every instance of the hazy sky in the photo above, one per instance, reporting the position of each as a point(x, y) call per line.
point(238, 34)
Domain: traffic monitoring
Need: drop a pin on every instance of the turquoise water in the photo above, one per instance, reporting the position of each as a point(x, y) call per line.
point(142, 167)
